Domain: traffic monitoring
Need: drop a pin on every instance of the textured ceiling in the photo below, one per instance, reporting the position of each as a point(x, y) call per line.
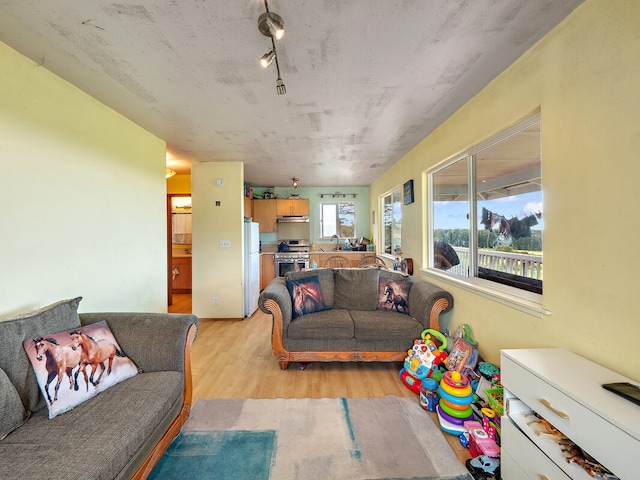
point(366, 80)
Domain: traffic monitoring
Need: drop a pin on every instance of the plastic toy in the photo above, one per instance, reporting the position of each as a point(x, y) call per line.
point(423, 358)
point(482, 466)
point(455, 399)
point(410, 381)
point(479, 441)
point(448, 427)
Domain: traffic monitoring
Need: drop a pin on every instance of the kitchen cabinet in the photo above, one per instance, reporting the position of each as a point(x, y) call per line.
point(293, 206)
point(264, 212)
point(248, 207)
point(181, 274)
point(267, 269)
point(564, 389)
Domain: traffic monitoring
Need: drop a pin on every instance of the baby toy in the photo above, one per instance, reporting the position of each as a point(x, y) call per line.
point(479, 441)
point(423, 358)
point(454, 407)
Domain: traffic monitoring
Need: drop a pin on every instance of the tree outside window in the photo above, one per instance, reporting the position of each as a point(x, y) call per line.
point(338, 219)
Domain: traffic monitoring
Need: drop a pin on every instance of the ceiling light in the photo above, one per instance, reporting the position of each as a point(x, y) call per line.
point(295, 182)
point(267, 58)
point(170, 173)
point(271, 25)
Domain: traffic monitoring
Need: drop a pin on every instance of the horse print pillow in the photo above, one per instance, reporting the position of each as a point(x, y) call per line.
point(306, 296)
point(75, 365)
point(393, 295)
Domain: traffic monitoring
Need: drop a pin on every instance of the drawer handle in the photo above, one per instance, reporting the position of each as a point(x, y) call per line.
point(547, 404)
point(544, 477)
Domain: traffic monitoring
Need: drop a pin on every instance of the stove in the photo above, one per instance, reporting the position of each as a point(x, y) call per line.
point(292, 256)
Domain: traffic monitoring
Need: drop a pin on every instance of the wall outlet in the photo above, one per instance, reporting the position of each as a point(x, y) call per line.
point(215, 300)
point(225, 243)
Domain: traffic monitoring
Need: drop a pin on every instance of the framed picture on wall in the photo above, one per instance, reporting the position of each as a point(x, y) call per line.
point(408, 192)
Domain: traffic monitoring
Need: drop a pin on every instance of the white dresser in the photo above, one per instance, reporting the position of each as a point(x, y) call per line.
point(565, 389)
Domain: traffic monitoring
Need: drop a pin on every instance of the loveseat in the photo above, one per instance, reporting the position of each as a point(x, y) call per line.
point(359, 320)
point(121, 432)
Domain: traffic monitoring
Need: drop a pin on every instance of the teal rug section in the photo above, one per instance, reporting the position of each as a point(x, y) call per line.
point(227, 454)
point(310, 439)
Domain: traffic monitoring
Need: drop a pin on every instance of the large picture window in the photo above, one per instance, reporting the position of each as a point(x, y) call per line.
point(485, 221)
point(338, 219)
point(391, 213)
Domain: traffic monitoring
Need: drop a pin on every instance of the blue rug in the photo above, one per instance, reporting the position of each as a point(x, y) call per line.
point(329, 438)
point(227, 454)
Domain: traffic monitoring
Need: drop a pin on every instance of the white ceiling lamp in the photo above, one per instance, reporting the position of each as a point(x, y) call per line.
point(295, 182)
point(271, 25)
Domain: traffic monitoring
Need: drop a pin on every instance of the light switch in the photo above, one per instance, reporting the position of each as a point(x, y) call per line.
point(225, 243)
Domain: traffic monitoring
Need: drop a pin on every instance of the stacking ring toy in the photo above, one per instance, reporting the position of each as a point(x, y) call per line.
point(457, 400)
point(455, 380)
point(488, 412)
point(453, 419)
point(455, 406)
point(447, 426)
point(438, 335)
point(466, 413)
point(456, 392)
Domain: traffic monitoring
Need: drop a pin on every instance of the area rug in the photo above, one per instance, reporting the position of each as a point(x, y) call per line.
point(306, 439)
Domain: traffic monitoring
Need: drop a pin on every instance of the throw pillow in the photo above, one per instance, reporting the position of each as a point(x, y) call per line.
point(12, 412)
point(393, 295)
point(306, 296)
point(75, 365)
point(60, 316)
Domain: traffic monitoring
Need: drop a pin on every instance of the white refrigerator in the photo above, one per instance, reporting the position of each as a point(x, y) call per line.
point(251, 267)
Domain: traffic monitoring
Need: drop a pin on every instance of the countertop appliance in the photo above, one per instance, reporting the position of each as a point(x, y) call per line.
point(251, 267)
point(292, 255)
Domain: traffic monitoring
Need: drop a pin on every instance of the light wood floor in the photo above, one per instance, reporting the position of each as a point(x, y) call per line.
point(233, 359)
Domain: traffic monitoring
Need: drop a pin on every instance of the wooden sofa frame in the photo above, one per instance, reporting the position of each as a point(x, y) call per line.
point(284, 356)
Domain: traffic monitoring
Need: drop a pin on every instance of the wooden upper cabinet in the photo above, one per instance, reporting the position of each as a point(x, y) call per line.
point(248, 207)
point(264, 212)
point(291, 206)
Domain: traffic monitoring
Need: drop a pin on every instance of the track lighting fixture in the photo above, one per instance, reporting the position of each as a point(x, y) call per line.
point(271, 25)
point(295, 179)
point(267, 58)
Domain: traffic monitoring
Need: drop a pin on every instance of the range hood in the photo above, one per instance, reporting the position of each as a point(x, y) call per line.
point(292, 219)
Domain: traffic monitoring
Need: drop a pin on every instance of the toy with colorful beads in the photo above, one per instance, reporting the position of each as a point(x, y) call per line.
point(454, 407)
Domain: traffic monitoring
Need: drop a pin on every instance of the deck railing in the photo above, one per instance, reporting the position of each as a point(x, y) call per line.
point(522, 264)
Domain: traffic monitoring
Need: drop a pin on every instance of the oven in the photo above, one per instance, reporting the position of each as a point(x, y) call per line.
point(292, 256)
point(288, 262)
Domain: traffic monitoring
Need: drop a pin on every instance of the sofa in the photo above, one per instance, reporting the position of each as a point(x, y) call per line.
point(360, 320)
point(121, 432)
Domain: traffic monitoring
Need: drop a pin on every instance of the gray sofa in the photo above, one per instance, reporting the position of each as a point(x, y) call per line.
point(352, 328)
point(120, 433)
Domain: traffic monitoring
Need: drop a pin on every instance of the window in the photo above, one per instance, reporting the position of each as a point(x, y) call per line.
point(392, 222)
point(338, 219)
point(502, 247)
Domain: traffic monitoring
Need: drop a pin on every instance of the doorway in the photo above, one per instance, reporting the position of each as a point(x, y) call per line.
point(179, 233)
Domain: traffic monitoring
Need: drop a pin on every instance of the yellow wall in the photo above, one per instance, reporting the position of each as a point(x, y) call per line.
point(217, 272)
point(179, 184)
point(584, 77)
point(83, 198)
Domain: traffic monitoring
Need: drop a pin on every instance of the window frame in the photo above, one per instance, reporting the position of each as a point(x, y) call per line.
point(396, 197)
point(528, 302)
point(337, 219)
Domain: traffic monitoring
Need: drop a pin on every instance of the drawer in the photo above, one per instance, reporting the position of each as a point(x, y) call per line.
point(610, 445)
point(531, 461)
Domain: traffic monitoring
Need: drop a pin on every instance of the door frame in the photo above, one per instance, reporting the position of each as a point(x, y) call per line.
point(170, 246)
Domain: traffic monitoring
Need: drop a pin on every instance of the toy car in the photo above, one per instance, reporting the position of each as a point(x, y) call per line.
point(483, 467)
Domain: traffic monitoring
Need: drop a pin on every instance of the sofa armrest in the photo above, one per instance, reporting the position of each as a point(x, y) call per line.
point(427, 301)
point(154, 341)
point(277, 291)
